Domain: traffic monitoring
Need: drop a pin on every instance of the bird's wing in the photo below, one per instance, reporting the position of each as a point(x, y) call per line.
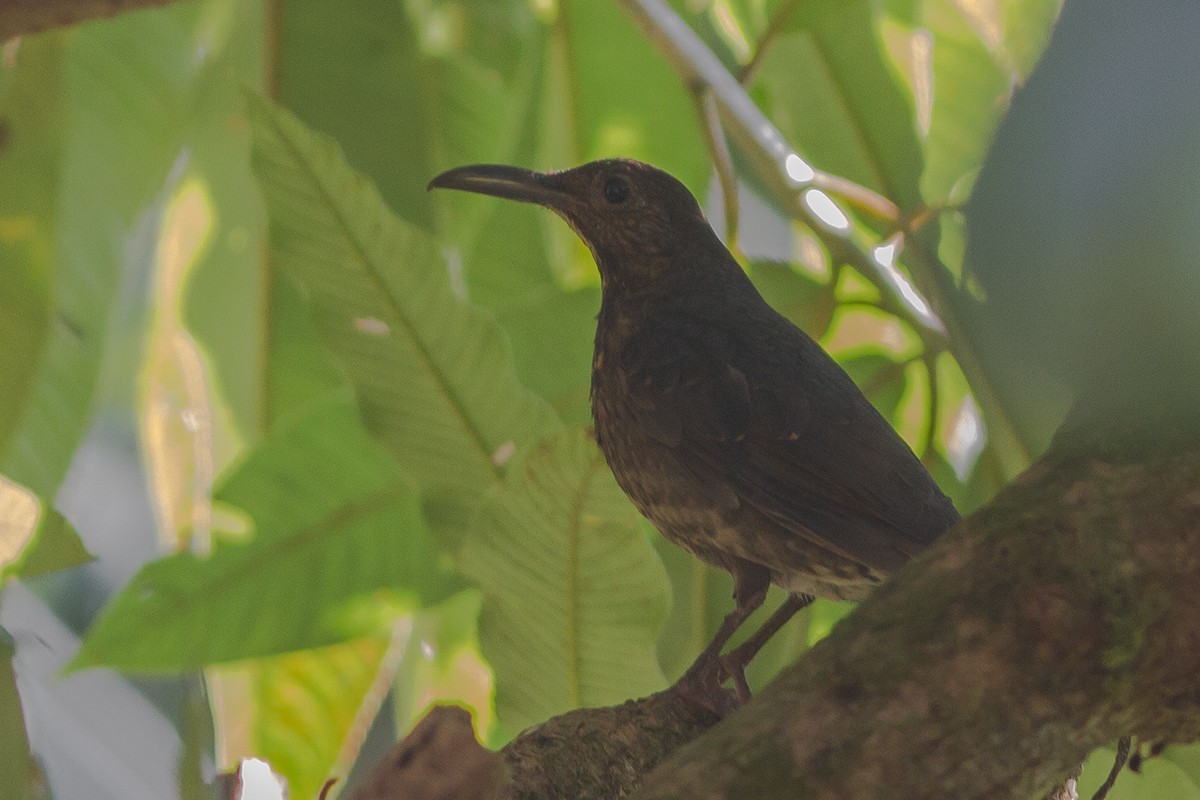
point(846, 476)
point(794, 439)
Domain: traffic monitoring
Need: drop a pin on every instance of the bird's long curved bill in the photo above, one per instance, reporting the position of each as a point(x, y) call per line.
point(500, 180)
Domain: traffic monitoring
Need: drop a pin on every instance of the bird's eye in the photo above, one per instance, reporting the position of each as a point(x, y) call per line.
point(616, 190)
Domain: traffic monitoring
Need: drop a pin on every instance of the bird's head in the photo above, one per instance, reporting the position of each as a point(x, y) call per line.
point(636, 220)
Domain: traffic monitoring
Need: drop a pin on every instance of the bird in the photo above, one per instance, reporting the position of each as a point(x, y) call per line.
point(732, 431)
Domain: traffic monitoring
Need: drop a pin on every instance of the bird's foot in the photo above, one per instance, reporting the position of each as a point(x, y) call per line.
point(732, 666)
point(706, 677)
point(702, 686)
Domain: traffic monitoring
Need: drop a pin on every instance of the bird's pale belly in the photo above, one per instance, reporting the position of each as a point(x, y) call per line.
point(710, 522)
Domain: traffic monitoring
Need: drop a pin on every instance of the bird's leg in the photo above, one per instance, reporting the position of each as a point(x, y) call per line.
point(734, 664)
point(750, 582)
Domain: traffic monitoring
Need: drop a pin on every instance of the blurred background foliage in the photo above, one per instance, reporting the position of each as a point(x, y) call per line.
point(326, 433)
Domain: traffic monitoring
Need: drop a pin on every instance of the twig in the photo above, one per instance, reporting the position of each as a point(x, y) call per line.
point(1118, 764)
point(927, 447)
point(860, 197)
point(774, 28)
point(718, 151)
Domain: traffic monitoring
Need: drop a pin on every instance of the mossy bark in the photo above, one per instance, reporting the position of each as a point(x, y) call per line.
point(1060, 617)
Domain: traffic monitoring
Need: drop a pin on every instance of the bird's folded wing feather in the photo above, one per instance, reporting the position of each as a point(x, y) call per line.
point(799, 443)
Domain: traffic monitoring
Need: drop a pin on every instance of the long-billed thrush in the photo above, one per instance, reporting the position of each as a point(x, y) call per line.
point(731, 430)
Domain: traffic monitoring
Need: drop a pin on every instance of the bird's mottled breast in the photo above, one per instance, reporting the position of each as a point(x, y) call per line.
point(634, 421)
point(610, 388)
point(619, 431)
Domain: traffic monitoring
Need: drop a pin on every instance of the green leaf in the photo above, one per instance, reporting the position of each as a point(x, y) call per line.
point(34, 539)
point(224, 294)
point(1028, 25)
point(30, 149)
point(574, 595)
point(822, 616)
point(607, 94)
point(804, 300)
point(971, 92)
point(700, 598)
point(125, 81)
point(339, 535)
point(621, 99)
point(410, 89)
point(550, 324)
point(433, 374)
point(1014, 31)
point(727, 27)
point(15, 762)
point(882, 380)
point(515, 271)
point(300, 370)
point(352, 75)
point(1187, 759)
point(980, 486)
point(558, 366)
point(442, 663)
point(303, 708)
point(832, 92)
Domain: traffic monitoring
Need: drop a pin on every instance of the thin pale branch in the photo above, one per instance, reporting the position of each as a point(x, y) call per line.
point(860, 197)
point(788, 177)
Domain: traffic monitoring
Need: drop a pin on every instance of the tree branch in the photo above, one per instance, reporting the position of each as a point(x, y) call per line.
point(19, 17)
point(1060, 617)
point(590, 754)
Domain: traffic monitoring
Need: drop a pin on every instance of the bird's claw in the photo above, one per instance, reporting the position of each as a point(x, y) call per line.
point(732, 667)
point(702, 685)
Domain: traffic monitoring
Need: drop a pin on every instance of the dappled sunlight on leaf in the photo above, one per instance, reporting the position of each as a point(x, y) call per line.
point(306, 713)
point(820, 204)
point(19, 513)
point(856, 327)
point(967, 438)
point(34, 539)
point(176, 418)
point(442, 664)
point(260, 782)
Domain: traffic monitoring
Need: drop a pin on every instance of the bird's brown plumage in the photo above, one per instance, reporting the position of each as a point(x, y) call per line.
point(729, 428)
